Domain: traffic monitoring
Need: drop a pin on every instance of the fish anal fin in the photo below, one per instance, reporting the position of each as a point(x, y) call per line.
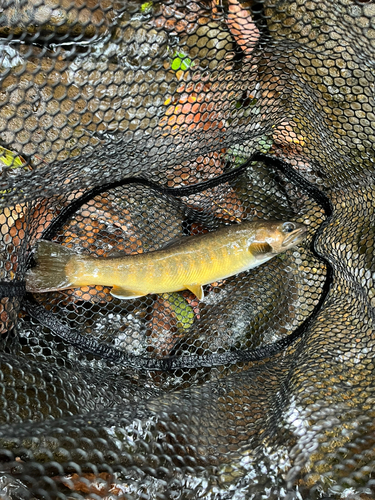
point(197, 290)
point(122, 293)
point(260, 249)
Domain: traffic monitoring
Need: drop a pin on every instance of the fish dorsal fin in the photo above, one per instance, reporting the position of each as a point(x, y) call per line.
point(197, 290)
point(259, 248)
point(122, 293)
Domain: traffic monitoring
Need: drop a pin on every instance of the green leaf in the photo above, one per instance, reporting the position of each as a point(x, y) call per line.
point(146, 7)
point(10, 159)
point(181, 62)
point(181, 309)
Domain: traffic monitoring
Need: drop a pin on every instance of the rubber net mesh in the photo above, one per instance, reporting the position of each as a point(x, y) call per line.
point(125, 125)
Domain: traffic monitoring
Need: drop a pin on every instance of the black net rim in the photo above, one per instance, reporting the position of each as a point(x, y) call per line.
point(170, 363)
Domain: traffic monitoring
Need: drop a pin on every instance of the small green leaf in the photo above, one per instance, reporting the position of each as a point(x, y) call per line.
point(181, 309)
point(146, 7)
point(10, 159)
point(265, 144)
point(181, 62)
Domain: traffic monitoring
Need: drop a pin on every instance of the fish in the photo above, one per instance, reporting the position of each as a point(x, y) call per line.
point(187, 263)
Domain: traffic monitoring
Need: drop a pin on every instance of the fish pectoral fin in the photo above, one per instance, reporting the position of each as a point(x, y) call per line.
point(122, 293)
point(197, 290)
point(259, 249)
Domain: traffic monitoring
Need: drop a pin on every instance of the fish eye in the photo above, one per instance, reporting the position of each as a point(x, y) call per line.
point(288, 227)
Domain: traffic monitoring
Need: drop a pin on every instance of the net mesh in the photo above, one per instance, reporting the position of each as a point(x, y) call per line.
point(125, 125)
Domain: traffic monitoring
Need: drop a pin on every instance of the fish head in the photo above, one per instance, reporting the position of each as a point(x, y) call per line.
point(274, 237)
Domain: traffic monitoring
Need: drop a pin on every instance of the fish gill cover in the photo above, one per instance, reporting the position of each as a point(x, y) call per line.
point(125, 125)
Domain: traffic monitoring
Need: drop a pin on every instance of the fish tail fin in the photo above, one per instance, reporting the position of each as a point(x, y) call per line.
point(50, 272)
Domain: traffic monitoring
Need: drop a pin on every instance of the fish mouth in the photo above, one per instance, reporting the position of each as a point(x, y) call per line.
point(295, 237)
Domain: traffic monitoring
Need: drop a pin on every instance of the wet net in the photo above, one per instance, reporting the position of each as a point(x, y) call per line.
point(125, 125)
